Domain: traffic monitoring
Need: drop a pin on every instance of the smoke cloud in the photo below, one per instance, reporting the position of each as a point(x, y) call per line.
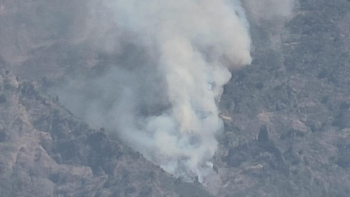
point(161, 94)
point(270, 9)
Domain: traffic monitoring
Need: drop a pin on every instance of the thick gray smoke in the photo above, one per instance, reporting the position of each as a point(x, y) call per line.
point(162, 95)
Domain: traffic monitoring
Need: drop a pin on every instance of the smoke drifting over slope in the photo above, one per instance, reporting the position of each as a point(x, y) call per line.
point(162, 93)
point(270, 9)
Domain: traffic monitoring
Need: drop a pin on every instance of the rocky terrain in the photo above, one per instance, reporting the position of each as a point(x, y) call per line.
point(45, 151)
point(287, 116)
point(288, 127)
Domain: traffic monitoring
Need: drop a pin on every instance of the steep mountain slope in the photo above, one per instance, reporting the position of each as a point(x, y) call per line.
point(287, 118)
point(289, 133)
point(45, 151)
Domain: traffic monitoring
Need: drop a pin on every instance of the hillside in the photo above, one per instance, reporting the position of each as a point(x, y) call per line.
point(46, 151)
point(286, 116)
point(289, 134)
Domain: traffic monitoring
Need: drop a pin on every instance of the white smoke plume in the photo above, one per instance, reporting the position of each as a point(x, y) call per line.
point(162, 95)
point(270, 9)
